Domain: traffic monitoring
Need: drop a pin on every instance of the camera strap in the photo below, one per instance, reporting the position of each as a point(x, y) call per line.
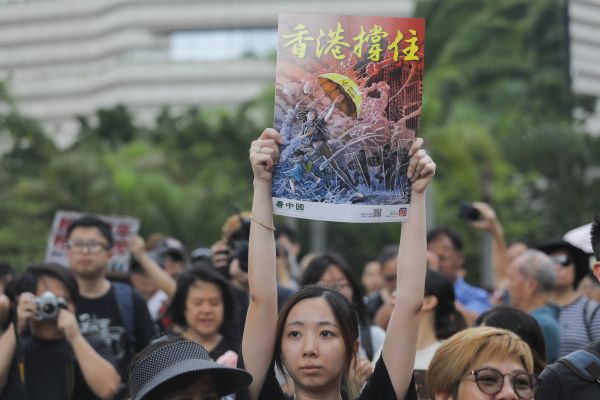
point(590, 309)
point(20, 358)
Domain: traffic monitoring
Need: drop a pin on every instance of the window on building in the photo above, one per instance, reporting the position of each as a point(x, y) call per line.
point(225, 44)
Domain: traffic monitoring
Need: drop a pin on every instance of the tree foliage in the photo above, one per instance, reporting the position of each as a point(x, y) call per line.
point(499, 116)
point(498, 119)
point(182, 176)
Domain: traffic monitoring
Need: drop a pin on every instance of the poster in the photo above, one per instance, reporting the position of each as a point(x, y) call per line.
point(348, 104)
point(122, 229)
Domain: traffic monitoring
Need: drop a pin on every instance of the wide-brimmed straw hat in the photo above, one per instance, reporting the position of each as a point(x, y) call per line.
point(178, 357)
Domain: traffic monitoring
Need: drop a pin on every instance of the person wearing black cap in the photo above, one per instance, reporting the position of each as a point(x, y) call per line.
point(170, 254)
point(175, 368)
point(579, 323)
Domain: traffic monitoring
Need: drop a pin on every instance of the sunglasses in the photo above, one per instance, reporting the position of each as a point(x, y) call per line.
point(562, 259)
point(490, 381)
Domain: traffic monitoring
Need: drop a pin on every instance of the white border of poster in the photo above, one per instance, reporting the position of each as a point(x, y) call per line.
point(341, 212)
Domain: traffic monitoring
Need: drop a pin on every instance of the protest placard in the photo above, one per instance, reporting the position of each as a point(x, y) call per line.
point(122, 229)
point(348, 105)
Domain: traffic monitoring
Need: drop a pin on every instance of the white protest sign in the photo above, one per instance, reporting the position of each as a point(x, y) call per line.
point(122, 229)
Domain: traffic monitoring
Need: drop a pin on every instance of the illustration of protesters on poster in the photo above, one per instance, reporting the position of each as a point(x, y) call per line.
point(348, 105)
point(123, 228)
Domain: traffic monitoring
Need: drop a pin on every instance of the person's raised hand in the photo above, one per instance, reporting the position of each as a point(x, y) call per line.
point(264, 154)
point(136, 245)
point(26, 310)
point(487, 218)
point(229, 358)
point(421, 168)
point(361, 370)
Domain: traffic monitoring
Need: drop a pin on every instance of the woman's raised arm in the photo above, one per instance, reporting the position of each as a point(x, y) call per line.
point(259, 332)
point(400, 343)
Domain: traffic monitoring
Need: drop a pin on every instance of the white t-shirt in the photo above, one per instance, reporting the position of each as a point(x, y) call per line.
point(155, 303)
point(424, 356)
point(377, 338)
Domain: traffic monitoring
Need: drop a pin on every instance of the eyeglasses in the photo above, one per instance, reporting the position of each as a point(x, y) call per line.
point(92, 246)
point(562, 259)
point(490, 381)
point(389, 278)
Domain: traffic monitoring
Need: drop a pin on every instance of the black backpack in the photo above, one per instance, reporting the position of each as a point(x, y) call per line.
point(576, 376)
point(585, 364)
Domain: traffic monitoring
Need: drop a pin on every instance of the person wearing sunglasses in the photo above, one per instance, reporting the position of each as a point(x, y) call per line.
point(578, 321)
point(576, 376)
point(482, 363)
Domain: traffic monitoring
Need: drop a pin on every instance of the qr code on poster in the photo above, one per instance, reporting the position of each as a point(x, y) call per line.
point(377, 212)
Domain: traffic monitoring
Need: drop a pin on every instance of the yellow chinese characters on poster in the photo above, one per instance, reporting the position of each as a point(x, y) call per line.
point(348, 105)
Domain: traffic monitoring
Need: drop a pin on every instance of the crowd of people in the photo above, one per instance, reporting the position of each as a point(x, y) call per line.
point(248, 318)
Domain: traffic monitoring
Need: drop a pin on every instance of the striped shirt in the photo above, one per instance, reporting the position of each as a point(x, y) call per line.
point(573, 332)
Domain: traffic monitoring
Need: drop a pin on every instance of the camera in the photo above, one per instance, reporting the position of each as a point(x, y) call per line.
point(468, 212)
point(238, 241)
point(48, 305)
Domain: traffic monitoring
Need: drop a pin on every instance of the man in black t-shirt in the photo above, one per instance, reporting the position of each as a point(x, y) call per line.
point(111, 312)
point(44, 354)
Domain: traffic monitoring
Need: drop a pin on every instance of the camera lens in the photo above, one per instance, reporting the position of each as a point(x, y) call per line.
point(48, 309)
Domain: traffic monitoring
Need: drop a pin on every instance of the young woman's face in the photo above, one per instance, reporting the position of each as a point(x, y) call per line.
point(204, 308)
point(334, 278)
point(469, 390)
point(312, 346)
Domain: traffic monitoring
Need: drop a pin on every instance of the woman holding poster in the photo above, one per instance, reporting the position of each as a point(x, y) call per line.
point(315, 338)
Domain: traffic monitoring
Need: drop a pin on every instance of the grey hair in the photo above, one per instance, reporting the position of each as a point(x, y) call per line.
point(539, 266)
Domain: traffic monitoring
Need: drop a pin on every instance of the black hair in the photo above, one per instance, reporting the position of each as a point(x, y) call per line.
point(92, 221)
point(204, 273)
point(451, 234)
point(577, 256)
point(448, 320)
point(29, 279)
point(595, 236)
point(5, 270)
point(522, 324)
point(387, 253)
point(345, 315)
point(317, 267)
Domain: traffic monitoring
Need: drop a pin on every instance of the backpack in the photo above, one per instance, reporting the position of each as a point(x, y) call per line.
point(589, 313)
point(585, 364)
point(576, 376)
point(124, 298)
point(367, 342)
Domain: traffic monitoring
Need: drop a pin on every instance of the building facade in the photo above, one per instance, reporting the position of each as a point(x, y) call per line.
point(584, 31)
point(64, 58)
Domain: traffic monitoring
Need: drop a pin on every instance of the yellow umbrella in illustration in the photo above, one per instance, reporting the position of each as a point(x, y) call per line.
point(335, 84)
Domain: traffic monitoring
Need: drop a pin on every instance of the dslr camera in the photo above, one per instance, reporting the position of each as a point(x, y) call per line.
point(238, 241)
point(48, 305)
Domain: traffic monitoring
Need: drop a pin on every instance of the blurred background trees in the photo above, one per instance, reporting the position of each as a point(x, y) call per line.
point(498, 119)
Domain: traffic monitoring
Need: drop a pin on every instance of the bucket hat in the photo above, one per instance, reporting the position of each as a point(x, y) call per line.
point(172, 357)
